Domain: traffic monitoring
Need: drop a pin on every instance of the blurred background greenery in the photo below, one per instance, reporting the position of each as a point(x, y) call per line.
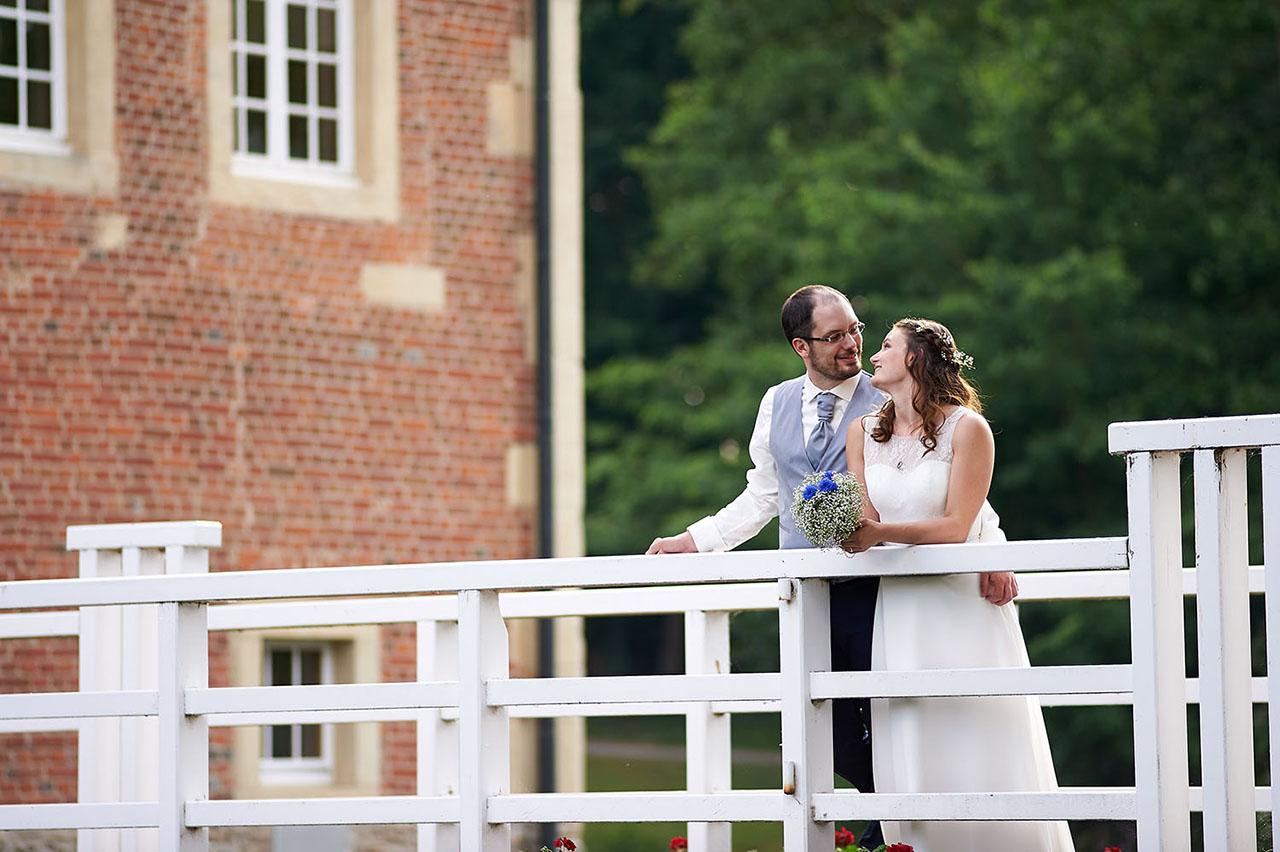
point(1086, 192)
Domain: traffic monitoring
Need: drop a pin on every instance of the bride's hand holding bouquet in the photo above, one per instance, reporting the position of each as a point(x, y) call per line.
point(865, 536)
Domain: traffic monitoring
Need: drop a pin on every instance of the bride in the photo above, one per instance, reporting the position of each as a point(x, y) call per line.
point(926, 459)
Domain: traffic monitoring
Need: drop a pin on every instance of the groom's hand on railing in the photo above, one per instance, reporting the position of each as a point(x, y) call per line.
point(998, 587)
point(682, 543)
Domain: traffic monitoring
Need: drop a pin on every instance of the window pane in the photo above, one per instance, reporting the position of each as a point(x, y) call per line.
point(298, 27)
point(255, 75)
point(235, 19)
point(235, 130)
point(325, 31)
point(310, 740)
point(311, 667)
point(328, 133)
point(235, 73)
point(327, 96)
point(37, 5)
point(298, 137)
point(13, 3)
point(8, 100)
point(281, 741)
point(39, 105)
point(256, 129)
point(281, 673)
point(8, 41)
point(256, 22)
point(297, 81)
point(38, 46)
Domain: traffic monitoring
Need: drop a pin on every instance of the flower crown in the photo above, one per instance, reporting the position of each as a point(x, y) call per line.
point(947, 348)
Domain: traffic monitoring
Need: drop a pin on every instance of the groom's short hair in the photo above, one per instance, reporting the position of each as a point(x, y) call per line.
point(797, 310)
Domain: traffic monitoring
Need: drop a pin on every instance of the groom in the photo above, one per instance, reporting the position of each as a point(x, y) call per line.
point(801, 428)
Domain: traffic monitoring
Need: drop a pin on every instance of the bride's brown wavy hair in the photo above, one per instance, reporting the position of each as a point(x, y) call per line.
point(935, 363)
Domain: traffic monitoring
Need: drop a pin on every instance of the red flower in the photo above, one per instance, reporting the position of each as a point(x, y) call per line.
point(899, 847)
point(679, 843)
point(844, 837)
point(564, 843)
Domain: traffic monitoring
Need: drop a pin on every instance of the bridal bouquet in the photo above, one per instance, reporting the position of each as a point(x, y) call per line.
point(827, 507)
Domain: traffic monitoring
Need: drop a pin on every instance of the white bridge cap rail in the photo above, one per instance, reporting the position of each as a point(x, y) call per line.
point(679, 569)
point(150, 534)
point(1153, 436)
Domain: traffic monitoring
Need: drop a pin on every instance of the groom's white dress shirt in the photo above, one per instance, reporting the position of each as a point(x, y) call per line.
point(758, 503)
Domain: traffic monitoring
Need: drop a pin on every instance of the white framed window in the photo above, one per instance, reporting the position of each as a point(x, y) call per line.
point(291, 90)
point(297, 754)
point(33, 76)
point(349, 758)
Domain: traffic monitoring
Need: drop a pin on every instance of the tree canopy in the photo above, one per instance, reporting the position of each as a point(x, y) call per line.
point(1087, 193)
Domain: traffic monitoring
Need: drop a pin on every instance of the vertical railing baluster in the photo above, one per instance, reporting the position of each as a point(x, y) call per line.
point(1159, 664)
point(183, 771)
point(707, 735)
point(1222, 607)
point(437, 737)
point(807, 764)
point(483, 731)
point(98, 749)
point(1271, 560)
point(138, 741)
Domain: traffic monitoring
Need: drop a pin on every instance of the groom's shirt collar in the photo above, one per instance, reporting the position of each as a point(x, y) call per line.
point(844, 390)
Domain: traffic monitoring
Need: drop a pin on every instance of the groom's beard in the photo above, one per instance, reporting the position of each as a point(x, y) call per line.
point(840, 365)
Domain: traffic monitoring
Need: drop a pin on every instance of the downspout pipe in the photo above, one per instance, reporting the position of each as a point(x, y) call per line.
point(546, 524)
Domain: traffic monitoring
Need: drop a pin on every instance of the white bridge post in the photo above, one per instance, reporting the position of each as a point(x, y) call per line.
point(484, 732)
point(807, 762)
point(707, 734)
point(183, 771)
point(1222, 607)
point(1271, 559)
point(118, 758)
point(437, 731)
point(1159, 664)
point(98, 749)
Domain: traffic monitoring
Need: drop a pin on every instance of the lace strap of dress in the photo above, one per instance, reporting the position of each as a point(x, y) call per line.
point(946, 432)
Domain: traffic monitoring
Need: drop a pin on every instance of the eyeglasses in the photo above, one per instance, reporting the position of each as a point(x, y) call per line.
point(839, 336)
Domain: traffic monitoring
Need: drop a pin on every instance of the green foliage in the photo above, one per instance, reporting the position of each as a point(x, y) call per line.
point(668, 438)
point(1087, 193)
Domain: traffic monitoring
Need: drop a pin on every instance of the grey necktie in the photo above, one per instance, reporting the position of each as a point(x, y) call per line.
point(820, 437)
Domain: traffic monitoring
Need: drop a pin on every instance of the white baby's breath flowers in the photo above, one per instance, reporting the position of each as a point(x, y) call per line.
point(827, 507)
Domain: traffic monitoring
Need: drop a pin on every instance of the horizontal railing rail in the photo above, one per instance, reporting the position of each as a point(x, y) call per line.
point(1050, 555)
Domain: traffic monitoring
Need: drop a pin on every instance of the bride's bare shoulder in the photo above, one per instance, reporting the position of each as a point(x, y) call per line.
point(972, 426)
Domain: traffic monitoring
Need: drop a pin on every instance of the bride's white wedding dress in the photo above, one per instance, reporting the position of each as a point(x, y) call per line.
point(940, 745)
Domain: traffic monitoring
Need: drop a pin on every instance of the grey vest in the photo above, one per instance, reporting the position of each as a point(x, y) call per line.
point(787, 440)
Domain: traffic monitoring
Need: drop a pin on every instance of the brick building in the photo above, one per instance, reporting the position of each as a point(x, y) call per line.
point(276, 263)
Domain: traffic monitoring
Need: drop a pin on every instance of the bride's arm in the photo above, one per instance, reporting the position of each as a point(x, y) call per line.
point(974, 458)
point(857, 464)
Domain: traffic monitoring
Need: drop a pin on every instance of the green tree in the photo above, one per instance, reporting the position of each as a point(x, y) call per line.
point(1087, 193)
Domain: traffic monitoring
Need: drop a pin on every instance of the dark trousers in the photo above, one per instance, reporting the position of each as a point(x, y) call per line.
point(853, 609)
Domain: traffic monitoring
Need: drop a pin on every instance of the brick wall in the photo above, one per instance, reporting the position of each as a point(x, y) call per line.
point(166, 357)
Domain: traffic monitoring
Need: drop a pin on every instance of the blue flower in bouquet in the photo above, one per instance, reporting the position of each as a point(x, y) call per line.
point(827, 507)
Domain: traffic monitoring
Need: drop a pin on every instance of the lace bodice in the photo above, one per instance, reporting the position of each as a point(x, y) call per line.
point(906, 453)
point(906, 483)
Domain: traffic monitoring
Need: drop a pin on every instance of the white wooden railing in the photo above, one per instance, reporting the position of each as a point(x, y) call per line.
point(464, 696)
